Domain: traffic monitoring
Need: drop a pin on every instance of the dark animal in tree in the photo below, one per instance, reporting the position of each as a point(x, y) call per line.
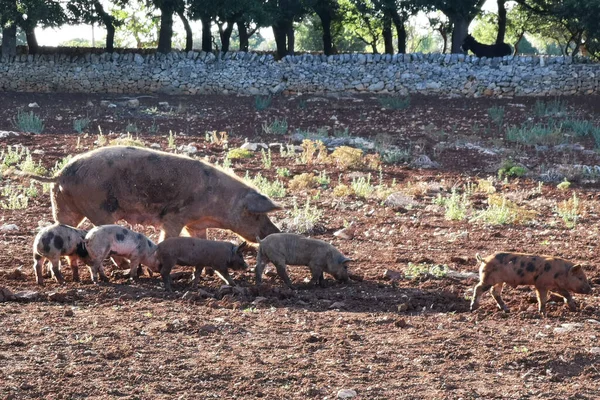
point(486, 50)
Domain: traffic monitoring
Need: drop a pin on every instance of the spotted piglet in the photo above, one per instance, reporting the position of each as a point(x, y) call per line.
point(55, 241)
point(545, 273)
point(115, 240)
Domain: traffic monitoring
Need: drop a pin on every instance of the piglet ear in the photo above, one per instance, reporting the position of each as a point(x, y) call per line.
point(344, 260)
point(260, 204)
point(241, 247)
point(576, 269)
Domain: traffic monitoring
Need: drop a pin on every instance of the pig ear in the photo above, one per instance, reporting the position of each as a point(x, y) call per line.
point(260, 204)
point(576, 269)
point(241, 247)
point(344, 260)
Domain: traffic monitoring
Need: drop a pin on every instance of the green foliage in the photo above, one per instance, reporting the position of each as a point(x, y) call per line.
point(362, 186)
point(323, 179)
point(273, 189)
point(239, 153)
point(171, 141)
point(396, 156)
point(267, 161)
point(277, 127)
point(283, 172)
point(425, 270)
point(303, 220)
point(80, 125)
point(395, 102)
point(564, 185)
point(28, 165)
point(496, 114)
point(548, 134)
point(28, 122)
point(550, 108)
point(12, 155)
point(131, 128)
point(262, 102)
point(510, 170)
point(17, 198)
point(456, 205)
point(569, 211)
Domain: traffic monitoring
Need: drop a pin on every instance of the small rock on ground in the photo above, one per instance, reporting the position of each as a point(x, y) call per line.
point(346, 394)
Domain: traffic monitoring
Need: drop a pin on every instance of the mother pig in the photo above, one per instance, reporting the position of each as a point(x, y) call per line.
point(152, 187)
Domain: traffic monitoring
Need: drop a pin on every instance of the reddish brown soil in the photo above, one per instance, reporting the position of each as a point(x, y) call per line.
point(412, 339)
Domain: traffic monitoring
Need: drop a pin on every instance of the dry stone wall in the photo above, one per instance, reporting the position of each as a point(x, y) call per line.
point(251, 73)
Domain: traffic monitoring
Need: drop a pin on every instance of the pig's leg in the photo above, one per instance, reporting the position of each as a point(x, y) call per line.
point(165, 272)
point(541, 294)
point(282, 271)
point(73, 263)
point(497, 295)
point(567, 298)
point(55, 268)
point(38, 263)
point(134, 262)
point(480, 288)
point(224, 275)
point(317, 276)
point(196, 277)
point(261, 262)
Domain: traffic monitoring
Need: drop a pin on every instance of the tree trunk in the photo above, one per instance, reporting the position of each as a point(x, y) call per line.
point(244, 37)
point(206, 34)
point(501, 22)
point(166, 28)
point(291, 38)
point(327, 41)
point(459, 32)
point(280, 35)
point(226, 36)
point(32, 42)
point(189, 37)
point(388, 39)
point(9, 41)
point(400, 32)
point(109, 23)
point(516, 50)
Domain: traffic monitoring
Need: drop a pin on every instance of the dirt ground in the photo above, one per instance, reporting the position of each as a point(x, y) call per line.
point(408, 338)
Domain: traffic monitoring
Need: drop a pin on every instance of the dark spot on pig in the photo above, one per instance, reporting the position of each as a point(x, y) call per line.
point(120, 237)
point(46, 239)
point(512, 260)
point(149, 243)
point(71, 169)
point(139, 237)
point(547, 267)
point(556, 275)
point(58, 242)
point(520, 272)
point(154, 158)
point(535, 278)
point(111, 204)
point(110, 162)
point(125, 231)
point(81, 251)
point(112, 252)
point(522, 263)
point(501, 257)
point(530, 267)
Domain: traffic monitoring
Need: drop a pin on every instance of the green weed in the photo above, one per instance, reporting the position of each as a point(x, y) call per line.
point(28, 122)
point(277, 127)
point(395, 102)
point(80, 125)
point(262, 102)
